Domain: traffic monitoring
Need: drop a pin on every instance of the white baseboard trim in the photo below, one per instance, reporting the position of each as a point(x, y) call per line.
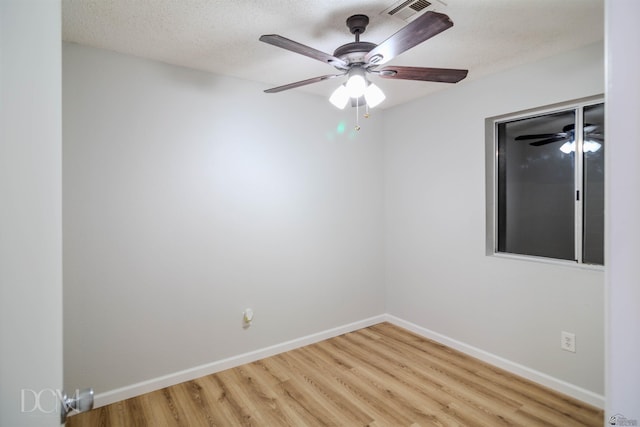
point(112, 396)
point(558, 385)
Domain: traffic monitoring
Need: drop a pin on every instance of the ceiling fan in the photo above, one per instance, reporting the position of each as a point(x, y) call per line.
point(593, 138)
point(358, 58)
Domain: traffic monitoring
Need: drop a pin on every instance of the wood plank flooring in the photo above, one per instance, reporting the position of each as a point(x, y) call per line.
point(379, 376)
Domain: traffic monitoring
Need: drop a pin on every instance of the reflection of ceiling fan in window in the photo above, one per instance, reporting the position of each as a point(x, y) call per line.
point(593, 138)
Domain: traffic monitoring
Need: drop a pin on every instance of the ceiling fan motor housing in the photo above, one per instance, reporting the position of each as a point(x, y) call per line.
point(354, 52)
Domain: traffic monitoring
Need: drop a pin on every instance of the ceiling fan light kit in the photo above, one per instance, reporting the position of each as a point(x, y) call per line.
point(357, 59)
point(373, 96)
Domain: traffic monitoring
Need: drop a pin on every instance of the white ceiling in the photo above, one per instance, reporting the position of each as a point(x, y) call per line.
point(221, 36)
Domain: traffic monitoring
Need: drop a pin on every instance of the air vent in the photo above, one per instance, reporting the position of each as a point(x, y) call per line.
point(408, 10)
point(419, 5)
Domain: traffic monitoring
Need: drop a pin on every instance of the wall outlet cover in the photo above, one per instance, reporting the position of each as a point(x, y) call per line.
point(568, 341)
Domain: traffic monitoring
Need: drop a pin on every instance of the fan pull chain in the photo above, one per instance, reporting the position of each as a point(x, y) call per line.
point(366, 111)
point(357, 115)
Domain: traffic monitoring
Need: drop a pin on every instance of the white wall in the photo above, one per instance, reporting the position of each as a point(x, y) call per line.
point(438, 276)
point(623, 210)
point(30, 213)
point(188, 197)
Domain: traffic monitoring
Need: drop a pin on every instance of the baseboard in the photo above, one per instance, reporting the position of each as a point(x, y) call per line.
point(112, 396)
point(564, 387)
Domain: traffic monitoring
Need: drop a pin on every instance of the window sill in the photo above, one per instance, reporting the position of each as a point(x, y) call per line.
point(543, 260)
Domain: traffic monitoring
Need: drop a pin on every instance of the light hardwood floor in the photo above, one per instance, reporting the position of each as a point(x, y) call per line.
point(382, 375)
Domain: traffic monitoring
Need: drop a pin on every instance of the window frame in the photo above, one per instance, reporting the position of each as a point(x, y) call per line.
point(491, 181)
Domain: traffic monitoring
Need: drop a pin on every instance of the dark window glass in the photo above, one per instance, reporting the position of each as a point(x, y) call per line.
point(543, 185)
point(593, 203)
point(536, 211)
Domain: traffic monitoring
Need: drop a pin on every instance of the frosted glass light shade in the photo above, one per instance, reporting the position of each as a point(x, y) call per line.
point(356, 84)
point(373, 95)
point(340, 97)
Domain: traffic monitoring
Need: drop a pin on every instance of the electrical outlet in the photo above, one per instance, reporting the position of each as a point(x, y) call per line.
point(568, 341)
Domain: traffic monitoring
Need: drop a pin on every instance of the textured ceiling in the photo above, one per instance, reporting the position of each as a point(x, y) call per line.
point(221, 36)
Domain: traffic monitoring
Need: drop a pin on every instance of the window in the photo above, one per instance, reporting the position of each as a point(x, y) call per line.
point(545, 183)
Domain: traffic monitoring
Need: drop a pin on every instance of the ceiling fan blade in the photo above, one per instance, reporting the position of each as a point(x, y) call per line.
point(443, 75)
point(549, 141)
point(296, 47)
point(540, 136)
point(414, 33)
point(302, 83)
